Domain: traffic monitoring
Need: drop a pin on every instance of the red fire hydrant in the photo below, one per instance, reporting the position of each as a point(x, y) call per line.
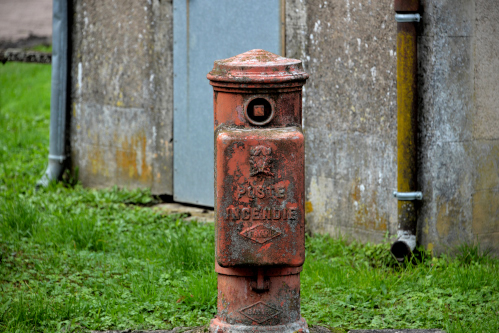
point(260, 203)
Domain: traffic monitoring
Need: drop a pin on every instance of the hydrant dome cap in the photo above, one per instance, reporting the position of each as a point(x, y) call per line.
point(257, 66)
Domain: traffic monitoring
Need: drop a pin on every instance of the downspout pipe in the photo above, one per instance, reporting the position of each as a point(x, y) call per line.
point(407, 16)
point(58, 102)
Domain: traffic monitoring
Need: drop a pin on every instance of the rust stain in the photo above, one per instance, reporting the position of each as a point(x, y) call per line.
point(98, 164)
point(127, 161)
point(406, 122)
point(309, 208)
point(406, 102)
point(146, 169)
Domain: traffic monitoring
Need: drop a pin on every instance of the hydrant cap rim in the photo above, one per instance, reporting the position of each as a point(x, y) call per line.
point(257, 66)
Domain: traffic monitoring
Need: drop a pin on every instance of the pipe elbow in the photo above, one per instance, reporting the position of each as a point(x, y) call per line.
point(53, 172)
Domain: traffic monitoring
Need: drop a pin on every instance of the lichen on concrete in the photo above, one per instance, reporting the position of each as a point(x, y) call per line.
point(121, 94)
point(349, 114)
point(121, 107)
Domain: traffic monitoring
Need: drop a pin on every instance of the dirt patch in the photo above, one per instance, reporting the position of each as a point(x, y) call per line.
point(190, 212)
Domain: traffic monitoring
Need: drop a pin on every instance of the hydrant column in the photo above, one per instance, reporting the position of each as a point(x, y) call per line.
point(259, 192)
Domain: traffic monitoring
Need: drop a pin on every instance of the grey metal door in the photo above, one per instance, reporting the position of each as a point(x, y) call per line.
point(204, 31)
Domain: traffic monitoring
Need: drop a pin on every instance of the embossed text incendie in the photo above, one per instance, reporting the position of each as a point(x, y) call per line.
point(259, 192)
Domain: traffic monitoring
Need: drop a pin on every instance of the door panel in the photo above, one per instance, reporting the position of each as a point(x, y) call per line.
point(205, 31)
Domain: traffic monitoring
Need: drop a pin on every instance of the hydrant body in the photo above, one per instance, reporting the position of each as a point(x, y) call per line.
point(259, 191)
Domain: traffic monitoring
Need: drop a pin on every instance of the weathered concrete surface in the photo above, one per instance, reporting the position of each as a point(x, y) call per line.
point(350, 118)
point(121, 82)
point(486, 48)
point(122, 110)
point(350, 113)
point(485, 200)
point(446, 103)
point(296, 30)
point(459, 171)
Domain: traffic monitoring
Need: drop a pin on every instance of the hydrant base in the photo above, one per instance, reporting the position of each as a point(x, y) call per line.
point(218, 326)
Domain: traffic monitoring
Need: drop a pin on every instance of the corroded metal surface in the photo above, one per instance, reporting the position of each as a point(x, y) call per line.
point(406, 5)
point(257, 66)
point(260, 203)
point(406, 130)
point(260, 197)
point(276, 303)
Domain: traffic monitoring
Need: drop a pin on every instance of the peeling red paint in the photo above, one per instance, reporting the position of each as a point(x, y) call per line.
point(260, 201)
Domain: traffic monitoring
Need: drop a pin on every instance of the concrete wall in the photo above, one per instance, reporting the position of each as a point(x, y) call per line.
point(122, 110)
point(350, 113)
point(459, 73)
point(122, 84)
point(350, 118)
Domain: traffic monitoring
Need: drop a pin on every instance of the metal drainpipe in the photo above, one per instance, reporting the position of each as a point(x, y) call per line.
point(406, 15)
point(58, 93)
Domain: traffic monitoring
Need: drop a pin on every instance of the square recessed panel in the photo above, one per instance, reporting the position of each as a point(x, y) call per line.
point(260, 198)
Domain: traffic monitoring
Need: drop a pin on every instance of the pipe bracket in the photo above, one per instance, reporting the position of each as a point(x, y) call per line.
point(408, 196)
point(402, 18)
point(59, 158)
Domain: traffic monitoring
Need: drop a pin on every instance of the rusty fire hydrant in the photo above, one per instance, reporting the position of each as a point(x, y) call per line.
point(260, 179)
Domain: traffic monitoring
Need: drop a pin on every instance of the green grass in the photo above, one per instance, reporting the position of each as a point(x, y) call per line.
point(359, 286)
point(74, 259)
